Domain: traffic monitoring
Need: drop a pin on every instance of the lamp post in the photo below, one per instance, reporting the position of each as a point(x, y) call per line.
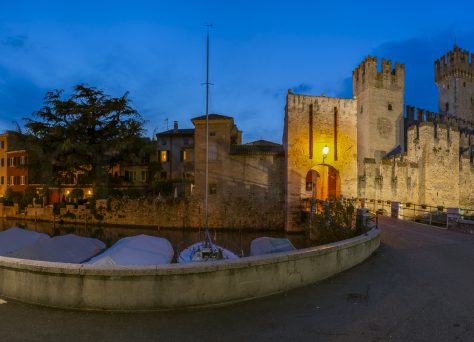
point(325, 152)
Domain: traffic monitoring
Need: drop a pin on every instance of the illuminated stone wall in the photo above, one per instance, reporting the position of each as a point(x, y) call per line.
point(430, 172)
point(311, 123)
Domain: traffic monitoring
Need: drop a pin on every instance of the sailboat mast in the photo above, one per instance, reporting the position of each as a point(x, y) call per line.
point(207, 130)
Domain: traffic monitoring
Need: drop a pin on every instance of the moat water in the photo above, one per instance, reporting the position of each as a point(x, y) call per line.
point(234, 240)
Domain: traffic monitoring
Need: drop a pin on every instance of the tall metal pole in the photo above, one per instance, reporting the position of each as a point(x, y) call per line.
point(207, 130)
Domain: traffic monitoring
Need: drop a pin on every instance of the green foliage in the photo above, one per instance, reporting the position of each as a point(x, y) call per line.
point(88, 132)
point(334, 222)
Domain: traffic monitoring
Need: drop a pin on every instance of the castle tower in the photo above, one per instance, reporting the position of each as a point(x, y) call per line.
point(380, 107)
point(454, 77)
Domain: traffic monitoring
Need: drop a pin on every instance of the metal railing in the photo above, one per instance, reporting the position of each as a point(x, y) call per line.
point(422, 213)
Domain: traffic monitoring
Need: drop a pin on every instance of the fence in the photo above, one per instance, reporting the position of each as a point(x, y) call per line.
point(422, 213)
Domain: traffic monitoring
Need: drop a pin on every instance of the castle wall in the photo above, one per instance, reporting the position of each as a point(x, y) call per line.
point(311, 123)
point(430, 172)
point(466, 183)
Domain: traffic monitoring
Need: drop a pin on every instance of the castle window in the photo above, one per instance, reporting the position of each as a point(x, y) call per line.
point(390, 106)
point(464, 84)
point(447, 107)
point(212, 134)
point(212, 189)
point(212, 152)
point(361, 109)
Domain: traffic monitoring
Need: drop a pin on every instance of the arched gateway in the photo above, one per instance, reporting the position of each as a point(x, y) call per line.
point(323, 182)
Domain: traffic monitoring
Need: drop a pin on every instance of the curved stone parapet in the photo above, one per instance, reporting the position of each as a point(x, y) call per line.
point(173, 286)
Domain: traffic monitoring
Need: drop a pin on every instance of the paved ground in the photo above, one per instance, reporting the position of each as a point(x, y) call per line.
point(419, 286)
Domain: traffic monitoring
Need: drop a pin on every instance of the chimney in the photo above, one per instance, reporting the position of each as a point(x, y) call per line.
point(175, 125)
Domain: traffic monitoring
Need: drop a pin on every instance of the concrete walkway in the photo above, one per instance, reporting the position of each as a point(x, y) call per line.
point(419, 286)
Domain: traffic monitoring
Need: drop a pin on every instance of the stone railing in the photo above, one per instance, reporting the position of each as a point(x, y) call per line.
point(174, 286)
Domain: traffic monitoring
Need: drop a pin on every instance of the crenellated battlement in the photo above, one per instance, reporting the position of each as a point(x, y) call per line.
point(369, 74)
point(458, 63)
point(415, 116)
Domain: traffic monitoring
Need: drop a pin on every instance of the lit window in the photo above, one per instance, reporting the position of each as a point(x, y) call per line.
point(184, 155)
point(164, 156)
point(22, 181)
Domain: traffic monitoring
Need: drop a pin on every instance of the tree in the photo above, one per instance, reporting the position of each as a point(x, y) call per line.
point(87, 133)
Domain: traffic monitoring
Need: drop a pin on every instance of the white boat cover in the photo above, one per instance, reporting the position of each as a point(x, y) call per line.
point(140, 250)
point(16, 238)
point(187, 255)
point(269, 245)
point(67, 248)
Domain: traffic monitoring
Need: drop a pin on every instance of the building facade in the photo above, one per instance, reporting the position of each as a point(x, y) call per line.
point(176, 153)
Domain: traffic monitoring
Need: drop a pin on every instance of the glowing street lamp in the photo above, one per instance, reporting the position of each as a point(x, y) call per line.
point(325, 152)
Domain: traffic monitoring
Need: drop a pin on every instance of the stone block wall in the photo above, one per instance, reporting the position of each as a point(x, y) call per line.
point(430, 172)
point(311, 123)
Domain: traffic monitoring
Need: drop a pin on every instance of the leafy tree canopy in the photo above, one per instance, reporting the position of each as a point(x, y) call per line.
point(88, 132)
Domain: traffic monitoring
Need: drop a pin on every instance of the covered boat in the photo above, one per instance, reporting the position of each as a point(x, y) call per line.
point(67, 248)
point(205, 251)
point(14, 239)
point(270, 245)
point(140, 250)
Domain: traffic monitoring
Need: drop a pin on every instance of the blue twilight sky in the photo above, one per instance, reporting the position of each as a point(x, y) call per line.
point(260, 49)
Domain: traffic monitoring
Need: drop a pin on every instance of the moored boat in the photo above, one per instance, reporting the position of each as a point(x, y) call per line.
point(139, 250)
point(14, 239)
point(67, 248)
point(205, 251)
point(269, 245)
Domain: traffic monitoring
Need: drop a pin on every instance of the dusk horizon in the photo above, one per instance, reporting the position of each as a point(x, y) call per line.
point(156, 52)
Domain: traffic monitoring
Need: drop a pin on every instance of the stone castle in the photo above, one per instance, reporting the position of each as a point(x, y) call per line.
point(377, 152)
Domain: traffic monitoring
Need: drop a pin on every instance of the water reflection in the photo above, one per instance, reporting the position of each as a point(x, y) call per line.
point(236, 241)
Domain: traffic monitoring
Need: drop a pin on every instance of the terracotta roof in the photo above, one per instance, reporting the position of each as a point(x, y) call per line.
point(258, 147)
point(176, 132)
point(213, 117)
